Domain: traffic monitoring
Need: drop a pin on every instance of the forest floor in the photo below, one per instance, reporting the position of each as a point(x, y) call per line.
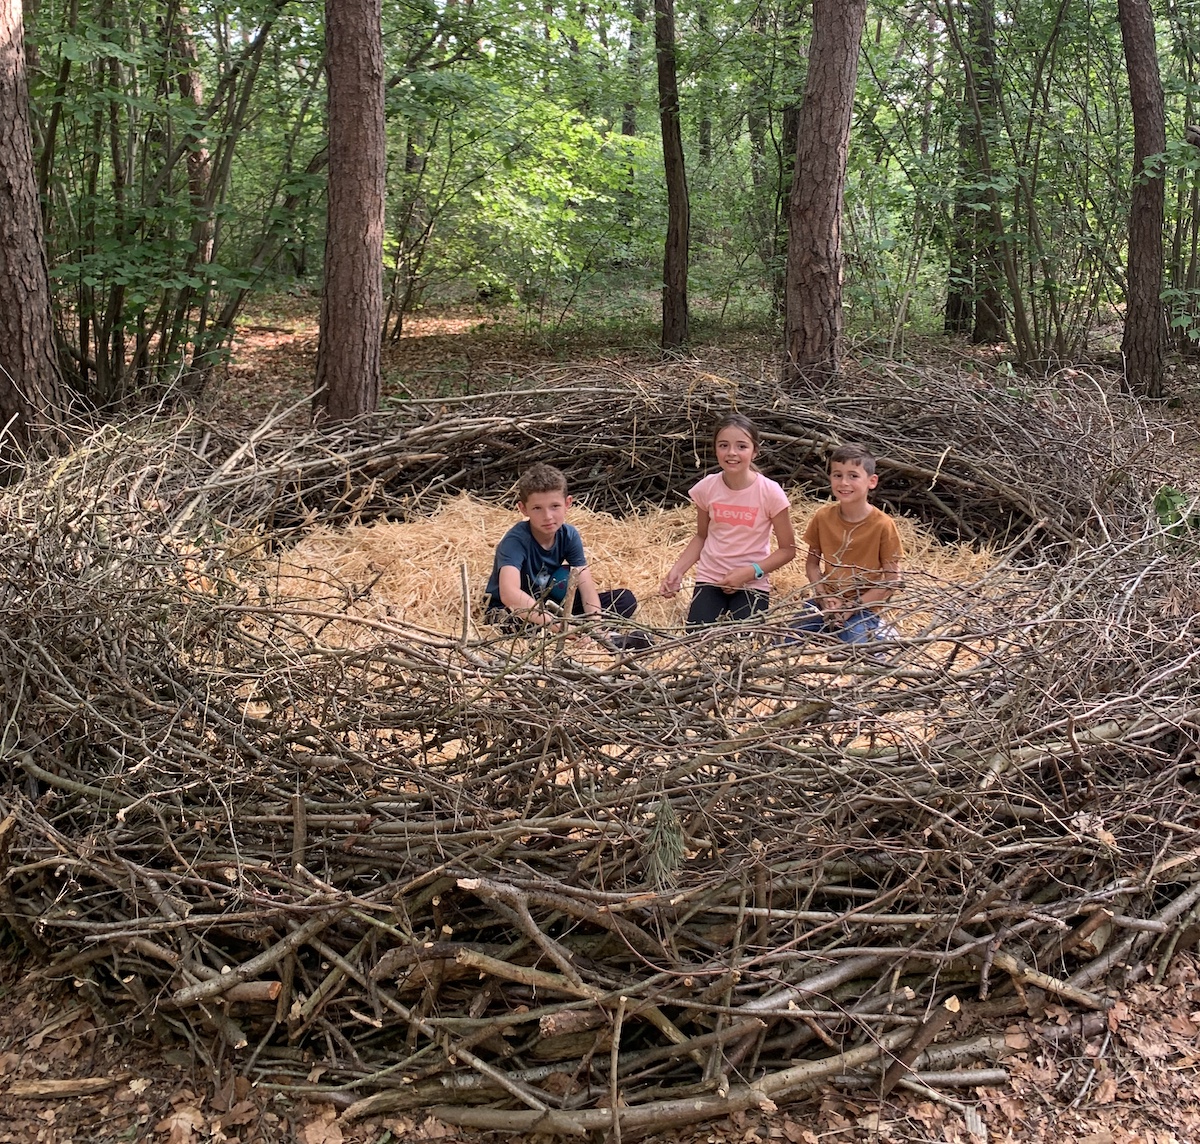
point(70, 1072)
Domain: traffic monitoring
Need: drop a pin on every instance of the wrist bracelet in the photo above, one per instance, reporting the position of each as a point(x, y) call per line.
point(758, 572)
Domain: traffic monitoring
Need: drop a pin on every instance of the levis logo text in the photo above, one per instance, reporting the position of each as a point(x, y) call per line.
point(734, 514)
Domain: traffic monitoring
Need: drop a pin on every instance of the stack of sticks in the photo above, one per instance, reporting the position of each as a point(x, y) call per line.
point(538, 889)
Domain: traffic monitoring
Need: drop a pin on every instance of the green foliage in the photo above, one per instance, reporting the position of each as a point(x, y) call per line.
point(512, 178)
point(139, 114)
point(1178, 513)
point(1183, 310)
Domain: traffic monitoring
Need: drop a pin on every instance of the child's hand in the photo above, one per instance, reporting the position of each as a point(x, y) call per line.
point(543, 618)
point(738, 578)
point(670, 585)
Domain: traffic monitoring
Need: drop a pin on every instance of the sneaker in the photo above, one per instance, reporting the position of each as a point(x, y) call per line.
point(627, 641)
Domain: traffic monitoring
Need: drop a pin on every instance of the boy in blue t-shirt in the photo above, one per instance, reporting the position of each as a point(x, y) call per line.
point(535, 557)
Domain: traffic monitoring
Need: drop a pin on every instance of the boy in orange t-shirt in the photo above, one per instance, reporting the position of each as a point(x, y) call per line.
point(854, 553)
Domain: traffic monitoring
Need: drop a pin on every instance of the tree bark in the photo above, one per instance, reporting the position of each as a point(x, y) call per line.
point(675, 254)
point(992, 261)
point(31, 385)
point(1142, 343)
point(633, 68)
point(813, 334)
point(199, 160)
point(959, 315)
point(982, 87)
point(348, 356)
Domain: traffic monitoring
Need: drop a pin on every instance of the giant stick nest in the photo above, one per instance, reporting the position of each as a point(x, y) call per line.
point(272, 789)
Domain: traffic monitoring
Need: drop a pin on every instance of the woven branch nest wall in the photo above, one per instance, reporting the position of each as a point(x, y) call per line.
point(972, 456)
point(526, 882)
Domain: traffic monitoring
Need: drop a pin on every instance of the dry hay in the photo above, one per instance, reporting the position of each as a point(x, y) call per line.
point(411, 570)
point(524, 886)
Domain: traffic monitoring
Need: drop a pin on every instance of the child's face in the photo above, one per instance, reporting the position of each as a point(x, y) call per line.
point(546, 513)
point(735, 450)
point(850, 482)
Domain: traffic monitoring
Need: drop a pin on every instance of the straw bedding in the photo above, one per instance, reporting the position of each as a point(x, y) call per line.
point(412, 570)
point(263, 796)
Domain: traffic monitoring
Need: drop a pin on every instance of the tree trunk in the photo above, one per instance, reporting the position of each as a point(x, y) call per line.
point(199, 160)
point(31, 386)
point(785, 176)
point(633, 68)
point(629, 110)
point(348, 357)
point(959, 315)
point(814, 264)
point(704, 93)
point(982, 87)
point(1142, 343)
point(675, 255)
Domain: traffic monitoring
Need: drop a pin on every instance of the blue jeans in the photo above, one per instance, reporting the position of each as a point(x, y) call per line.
point(861, 626)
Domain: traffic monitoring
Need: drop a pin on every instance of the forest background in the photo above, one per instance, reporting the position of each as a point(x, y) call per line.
point(181, 157)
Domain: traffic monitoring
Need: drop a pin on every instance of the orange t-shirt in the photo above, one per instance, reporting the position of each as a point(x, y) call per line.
point(853, 556)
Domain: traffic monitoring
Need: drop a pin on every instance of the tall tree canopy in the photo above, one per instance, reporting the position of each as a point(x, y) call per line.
point(983, 151)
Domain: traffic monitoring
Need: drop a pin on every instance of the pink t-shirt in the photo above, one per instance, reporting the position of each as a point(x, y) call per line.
point(739, 525)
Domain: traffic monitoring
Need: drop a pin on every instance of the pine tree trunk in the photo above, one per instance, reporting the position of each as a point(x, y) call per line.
point(814, 264)
point(1142, 343)
point(989, 310)
point(675, 254)
point(31, 386)
point(348, 357)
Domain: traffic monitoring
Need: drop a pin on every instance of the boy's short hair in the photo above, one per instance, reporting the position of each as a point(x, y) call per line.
point(541, 478)
point(853, 454)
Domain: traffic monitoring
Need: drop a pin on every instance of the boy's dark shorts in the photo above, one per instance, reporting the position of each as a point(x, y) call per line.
point(619, 602)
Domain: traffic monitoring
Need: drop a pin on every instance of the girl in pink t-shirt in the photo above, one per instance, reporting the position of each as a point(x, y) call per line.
point(736, 511)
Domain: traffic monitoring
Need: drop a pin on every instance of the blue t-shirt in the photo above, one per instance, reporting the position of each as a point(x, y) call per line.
point(543, 570)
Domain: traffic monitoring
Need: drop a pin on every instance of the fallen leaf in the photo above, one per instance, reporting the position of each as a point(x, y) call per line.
point(1149, 1046)
point(244, 1112)
point(1106, 1093)
point(322, 1129)
point(1015, 1039)
point(1182, 1025)
point(182, 1125)
point(1116, 1014)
